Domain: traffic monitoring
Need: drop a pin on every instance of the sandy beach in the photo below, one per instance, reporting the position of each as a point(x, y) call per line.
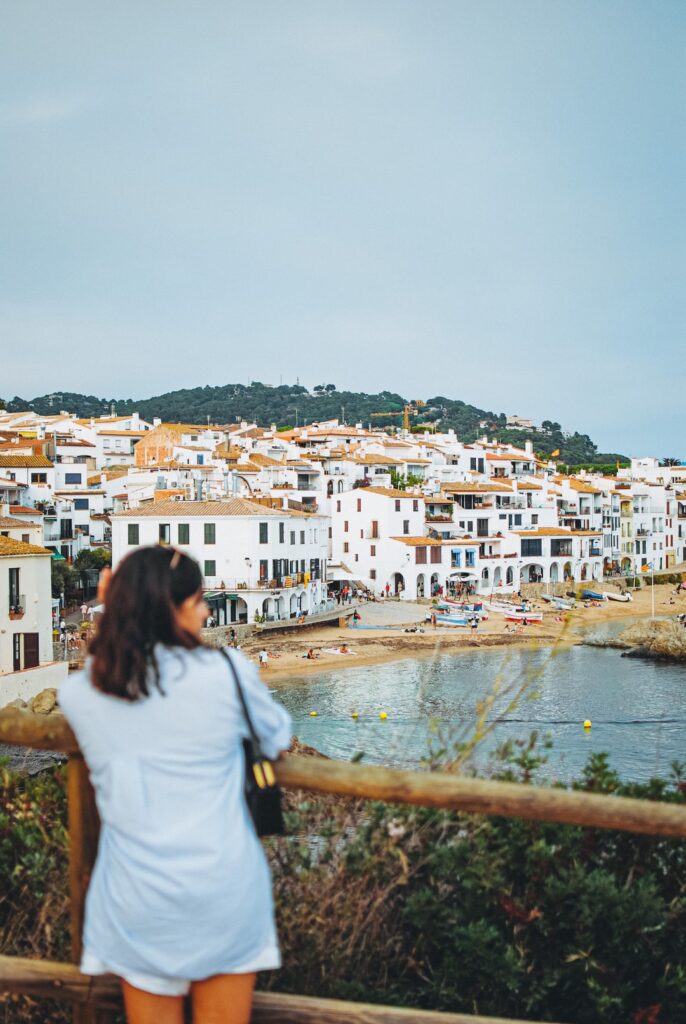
point(388, 642)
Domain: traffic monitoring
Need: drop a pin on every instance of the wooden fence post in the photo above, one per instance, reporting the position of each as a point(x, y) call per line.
point(84, 830)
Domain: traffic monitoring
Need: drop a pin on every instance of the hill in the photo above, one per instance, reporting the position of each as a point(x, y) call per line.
point(292, 404)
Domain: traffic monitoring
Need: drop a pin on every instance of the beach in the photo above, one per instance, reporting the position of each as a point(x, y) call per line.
point(387, 641)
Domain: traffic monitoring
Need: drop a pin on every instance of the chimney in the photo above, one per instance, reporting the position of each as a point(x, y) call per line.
point(135, 420)
point(529, 447)
point(156, 421)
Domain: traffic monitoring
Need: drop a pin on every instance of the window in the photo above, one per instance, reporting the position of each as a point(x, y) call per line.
point(41, 478)
point(534, 519)
point(15, 598)
point(406, 527)
point(184, 533)
point(357, 558)
point(435, 555)
point(420, 556)
point(338, 506)
point(359, 504)
point(210, 567)
point(165, 533)
point(372, 550)
point(397, 504)
point(375, 529)
point(345, 526)
point(81, 504)
point(211, 533)
point(346, 547)
point(415, 505)
point(282, 533)
point(26, 538)
point(372, 574)
point(72, 478)
point(134, 533)
point(518, 519)
point(302, 536)
point(531, 548)
point(264, 533)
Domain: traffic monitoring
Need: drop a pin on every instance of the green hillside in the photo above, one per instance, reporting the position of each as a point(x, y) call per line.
point(292, 404)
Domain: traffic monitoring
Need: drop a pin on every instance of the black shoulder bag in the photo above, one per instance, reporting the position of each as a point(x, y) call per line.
point(262, 793)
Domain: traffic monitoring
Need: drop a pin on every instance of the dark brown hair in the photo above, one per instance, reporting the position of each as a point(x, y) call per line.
point(139, 613)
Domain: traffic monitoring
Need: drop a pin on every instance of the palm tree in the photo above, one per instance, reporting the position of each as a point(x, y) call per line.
point(670, 462)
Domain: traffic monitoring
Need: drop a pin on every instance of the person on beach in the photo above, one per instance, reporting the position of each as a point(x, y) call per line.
point(180, 896)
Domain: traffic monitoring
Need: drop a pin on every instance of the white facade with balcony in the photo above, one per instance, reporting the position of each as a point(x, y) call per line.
point(256, 560)
point(26, 657)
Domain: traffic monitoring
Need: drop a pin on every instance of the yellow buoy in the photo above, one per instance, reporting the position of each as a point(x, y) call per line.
point(355, 714)
point(587, 723)
point(313, 714)
point(383, 715)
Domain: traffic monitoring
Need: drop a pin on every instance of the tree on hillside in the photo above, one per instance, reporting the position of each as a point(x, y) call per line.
point(669, 461)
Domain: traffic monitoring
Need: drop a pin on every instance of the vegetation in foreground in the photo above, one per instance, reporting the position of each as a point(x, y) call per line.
point(418, 907)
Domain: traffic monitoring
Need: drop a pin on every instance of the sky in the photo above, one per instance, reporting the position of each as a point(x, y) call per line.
point(482, 200)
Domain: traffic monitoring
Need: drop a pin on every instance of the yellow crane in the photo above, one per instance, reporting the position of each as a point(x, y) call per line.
point(408, 410)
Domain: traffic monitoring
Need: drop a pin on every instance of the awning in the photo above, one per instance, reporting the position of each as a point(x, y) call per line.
point(216, 595)
point(58, 557)
point(333, 573)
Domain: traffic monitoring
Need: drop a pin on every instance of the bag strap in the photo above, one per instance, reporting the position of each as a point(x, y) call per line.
point(261, 766)
point(241, 697)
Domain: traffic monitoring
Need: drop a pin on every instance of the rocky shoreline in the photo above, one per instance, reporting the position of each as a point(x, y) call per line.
point(659, 641)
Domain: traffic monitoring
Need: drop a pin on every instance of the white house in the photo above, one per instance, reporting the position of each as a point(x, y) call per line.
point(26, 659)
point(256, 560)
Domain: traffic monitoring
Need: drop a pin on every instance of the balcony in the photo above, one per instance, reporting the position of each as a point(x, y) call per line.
point(438, 518)
point(17, 606)
point(641, 532)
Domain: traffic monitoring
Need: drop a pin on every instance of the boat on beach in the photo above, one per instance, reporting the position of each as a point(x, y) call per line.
point(619, 597)
point(592, 595)
point(517, 616)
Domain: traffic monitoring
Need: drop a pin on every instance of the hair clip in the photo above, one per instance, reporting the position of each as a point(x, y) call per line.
point(176, 558)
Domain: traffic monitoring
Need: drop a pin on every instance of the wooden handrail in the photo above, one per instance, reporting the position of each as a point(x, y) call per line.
point(64, 982)
point(428, 789)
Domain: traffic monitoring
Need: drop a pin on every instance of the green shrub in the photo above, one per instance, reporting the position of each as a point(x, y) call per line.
point(420, 907)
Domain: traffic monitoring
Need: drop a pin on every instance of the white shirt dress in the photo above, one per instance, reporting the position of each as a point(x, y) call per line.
point(181, 889)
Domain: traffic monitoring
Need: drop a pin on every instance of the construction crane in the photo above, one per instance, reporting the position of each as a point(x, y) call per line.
point(408, 410)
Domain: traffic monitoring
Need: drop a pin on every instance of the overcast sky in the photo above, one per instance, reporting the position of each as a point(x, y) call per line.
point(480, 199)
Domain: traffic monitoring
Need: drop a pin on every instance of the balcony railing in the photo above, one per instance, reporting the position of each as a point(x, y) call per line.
point(17, 605)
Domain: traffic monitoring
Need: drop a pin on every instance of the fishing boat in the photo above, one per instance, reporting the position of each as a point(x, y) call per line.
point(592, 595)
point(559, 602)
point(619, 597)
point(516, 616)
point(474, 606)
point(451, 620)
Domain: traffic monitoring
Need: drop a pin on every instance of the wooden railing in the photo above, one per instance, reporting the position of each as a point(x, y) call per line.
point(98, 1000)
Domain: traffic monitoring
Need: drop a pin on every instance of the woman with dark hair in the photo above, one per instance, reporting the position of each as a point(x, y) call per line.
point(180, 898)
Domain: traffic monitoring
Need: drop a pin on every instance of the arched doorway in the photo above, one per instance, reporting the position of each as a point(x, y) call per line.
point(435, 584)
point(595, 571)
point(567, 573)
point(509, 576)
point(293, 605)
point(498, 577)
point(532, 573)
point(397, 583)
point(626, 565)
point(420, 585)
point(340, 486)
point(268, 608)
point(554, 572)
point(584, 571)
point(329, 489)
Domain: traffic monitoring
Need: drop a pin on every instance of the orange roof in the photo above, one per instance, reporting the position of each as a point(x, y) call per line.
point(388, 492)
point(25, 462)
point(10, 548)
